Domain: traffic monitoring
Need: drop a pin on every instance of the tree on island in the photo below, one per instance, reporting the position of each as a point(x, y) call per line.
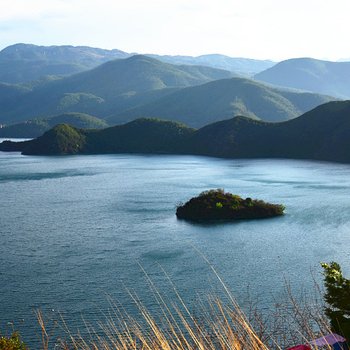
point(220, 205)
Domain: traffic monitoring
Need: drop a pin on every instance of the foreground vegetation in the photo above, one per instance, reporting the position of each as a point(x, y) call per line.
point(13, 342)
point(221, 205)
point(337, 297)
point(216, 324)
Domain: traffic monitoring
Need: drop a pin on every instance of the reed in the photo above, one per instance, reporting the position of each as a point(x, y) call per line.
point(217, 324)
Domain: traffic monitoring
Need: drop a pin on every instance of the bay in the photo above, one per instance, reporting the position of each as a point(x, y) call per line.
point(75, 230)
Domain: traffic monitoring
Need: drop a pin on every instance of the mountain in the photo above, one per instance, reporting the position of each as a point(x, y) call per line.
point(36, 127)
point(139, 136)
point(21, 63)
point(111, 87)
point(324, 77)
point(226, 98)
point(25, 62)
point(321, 134)
point(238, 65)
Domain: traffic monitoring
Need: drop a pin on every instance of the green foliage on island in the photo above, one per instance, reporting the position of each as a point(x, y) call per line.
point(324, 77)
point(13, 342)
point(220, 205)
point(36, 127)
point(337, 297)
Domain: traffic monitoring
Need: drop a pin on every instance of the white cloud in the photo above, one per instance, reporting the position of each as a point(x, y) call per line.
point(15, 10)
point(252, 28)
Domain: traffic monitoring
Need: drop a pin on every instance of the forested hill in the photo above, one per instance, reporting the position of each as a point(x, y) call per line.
point(111, 87)
point(323, 77)
point(221, 99)
point(321, 134)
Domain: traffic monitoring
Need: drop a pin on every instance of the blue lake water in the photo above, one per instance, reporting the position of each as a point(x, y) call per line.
point(75, 229)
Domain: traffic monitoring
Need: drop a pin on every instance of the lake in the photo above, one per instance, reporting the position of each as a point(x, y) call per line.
point(75, 230)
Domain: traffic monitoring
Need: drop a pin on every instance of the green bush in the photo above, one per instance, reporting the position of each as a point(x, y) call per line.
point(13, 342)
point(337, 297)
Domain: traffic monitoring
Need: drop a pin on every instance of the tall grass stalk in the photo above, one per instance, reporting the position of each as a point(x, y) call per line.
point(215, 325)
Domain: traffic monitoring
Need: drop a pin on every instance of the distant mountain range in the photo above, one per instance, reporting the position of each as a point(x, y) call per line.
point(118, 87)
point(24, 62)
point(321, 134)
point(36, 127)
point(324, 77)
point(242, 66)
point(106, 89)
point(140, 86)
point(21, 63)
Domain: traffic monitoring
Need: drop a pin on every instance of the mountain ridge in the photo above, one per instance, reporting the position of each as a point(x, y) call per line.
point(320, 134)
point(225, 98)
point(21, 62)
point(102, 90)
point(36, 127)
point(309, 74)
point(27, 62)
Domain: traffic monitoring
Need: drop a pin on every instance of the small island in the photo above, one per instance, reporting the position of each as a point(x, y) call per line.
point(220, 205)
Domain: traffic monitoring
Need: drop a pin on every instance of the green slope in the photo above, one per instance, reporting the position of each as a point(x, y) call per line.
point(324, 77)
point(61, 139)
point(321, 134)
point(139, 136)
point(36, 127)
point(111, 87)
point(226, 98)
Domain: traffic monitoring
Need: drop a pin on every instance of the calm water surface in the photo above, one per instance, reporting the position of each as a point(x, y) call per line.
point(75, 229)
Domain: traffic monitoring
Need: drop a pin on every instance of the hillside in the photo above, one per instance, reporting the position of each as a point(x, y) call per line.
point(25, 62)
point(139, 136)
point(238, 65)
point(36, 127)
point(324, 77)
point(223, 99)
point(321, 134)
point(112, 87)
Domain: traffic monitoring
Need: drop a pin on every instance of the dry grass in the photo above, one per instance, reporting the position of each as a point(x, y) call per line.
point(216, 325)
point(222, 327)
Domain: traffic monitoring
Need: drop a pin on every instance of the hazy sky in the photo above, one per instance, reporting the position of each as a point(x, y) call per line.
point(275, 29)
